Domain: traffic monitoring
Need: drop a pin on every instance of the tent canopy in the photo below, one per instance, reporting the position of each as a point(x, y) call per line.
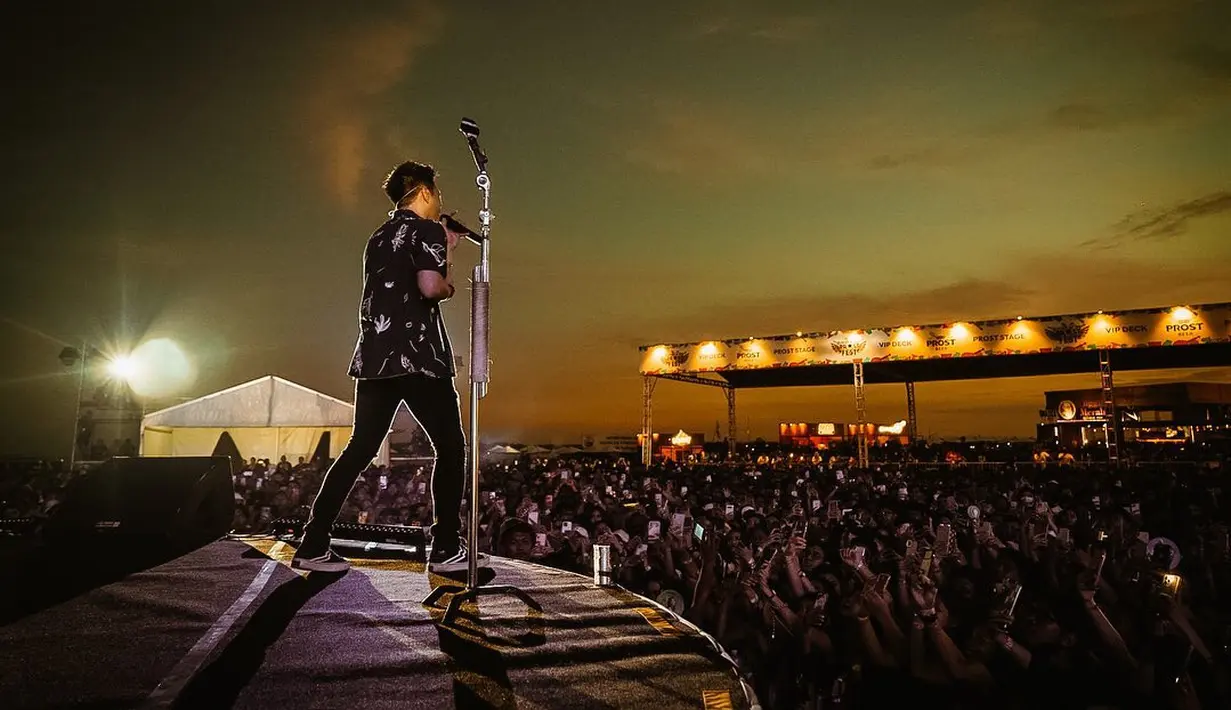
point(268, 417)
point(269, 401)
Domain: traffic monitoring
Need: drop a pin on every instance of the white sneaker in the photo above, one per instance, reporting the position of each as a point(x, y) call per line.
point(330, 562)
point(453, 559)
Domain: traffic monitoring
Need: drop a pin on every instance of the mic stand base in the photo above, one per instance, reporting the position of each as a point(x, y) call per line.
point(462, 594)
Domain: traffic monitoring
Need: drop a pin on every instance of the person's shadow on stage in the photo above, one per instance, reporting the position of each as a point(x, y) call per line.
point(480, 670)
point(480, 673)
point(219, 684)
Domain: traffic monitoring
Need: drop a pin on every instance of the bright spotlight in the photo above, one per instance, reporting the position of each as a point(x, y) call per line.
point(122, 368)
point(1182, 313)
point(159, 369)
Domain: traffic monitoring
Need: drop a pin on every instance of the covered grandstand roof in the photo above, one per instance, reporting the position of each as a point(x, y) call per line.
point(1185, 336)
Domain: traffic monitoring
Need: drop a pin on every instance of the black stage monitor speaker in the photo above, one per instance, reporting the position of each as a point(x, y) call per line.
point(184, 502)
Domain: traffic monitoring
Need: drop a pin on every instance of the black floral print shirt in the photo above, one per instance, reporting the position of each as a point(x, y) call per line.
point(400, 331)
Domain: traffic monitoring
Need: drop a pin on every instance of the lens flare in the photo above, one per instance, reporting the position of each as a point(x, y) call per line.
point(160, 369)
point(122, 368)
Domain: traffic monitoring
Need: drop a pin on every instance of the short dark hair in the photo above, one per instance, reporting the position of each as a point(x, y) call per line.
point(510, 527)
point(408, 177)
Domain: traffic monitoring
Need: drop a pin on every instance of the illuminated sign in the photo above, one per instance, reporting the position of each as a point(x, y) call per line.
point(1185, 325)
point(826, 429)
point(681, 439)
point(1067, 410)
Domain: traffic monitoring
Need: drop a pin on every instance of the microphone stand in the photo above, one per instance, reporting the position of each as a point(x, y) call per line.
point(480, 289)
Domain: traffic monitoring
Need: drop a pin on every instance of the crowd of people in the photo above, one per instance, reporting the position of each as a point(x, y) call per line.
point(1066, 587)
point(1014, 586)
point(957, 586)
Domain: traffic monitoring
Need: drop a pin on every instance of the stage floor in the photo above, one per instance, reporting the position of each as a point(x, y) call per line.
point(231, 625)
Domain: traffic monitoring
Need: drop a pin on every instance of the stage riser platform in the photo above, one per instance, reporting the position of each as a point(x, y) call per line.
point(361, 640)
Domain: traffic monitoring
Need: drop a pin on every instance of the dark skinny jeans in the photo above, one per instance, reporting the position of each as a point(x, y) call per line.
point(434, 403)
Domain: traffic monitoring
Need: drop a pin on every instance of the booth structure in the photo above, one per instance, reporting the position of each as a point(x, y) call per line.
point(1166, 413)
point(266, 418)
point(1023, 346)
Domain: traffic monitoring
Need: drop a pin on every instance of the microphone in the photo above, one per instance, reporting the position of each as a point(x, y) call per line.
point(470, 129)
point(455, 226)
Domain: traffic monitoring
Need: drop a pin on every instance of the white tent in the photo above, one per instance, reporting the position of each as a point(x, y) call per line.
point(266, 418)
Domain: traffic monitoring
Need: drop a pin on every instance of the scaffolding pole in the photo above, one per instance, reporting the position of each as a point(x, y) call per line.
point(912, 422)
point(1111, 416)
point(730, 392)
point(647, 418)
point(862, 414)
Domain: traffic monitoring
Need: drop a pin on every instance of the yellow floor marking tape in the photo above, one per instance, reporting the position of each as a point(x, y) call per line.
point(657, 621)
point(284, 553)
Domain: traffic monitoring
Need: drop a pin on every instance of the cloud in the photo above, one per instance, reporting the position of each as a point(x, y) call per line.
point(785, 28)
point(1082, 116)
point(830, 311)
point(1212, 63)
point(1159, 224)
point(1074, 116)
point(1020, 24)
point(683, 138)
point(776, 29)
point(1035, 285)
point(354, 71)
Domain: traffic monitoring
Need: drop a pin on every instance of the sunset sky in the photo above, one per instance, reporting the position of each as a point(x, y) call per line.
point(662, 171)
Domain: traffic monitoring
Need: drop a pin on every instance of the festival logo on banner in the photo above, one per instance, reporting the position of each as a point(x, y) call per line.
point(851, 345)
point(1068, 334)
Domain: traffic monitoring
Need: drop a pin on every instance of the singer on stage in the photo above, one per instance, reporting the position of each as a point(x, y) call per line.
point(403, 355)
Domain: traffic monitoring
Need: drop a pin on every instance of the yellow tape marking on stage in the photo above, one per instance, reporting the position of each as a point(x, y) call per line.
point(393, 565)
point(284, 553)
point(273, 549)
point(656, 620)
point(716, 700)
point(277, 551)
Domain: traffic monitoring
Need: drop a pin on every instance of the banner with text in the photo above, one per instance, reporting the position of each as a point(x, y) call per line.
point(1131, 329)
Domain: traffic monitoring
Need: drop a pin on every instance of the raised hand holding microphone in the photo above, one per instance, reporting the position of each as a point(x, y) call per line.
point(453, 236)
point(452, 224)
